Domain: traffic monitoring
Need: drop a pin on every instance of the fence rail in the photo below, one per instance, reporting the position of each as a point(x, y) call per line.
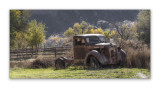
point(33, 53)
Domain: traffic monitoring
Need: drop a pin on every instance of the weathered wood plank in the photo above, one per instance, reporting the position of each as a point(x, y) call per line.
point(28, 52)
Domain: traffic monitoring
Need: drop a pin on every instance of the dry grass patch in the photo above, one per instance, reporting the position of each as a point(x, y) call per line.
point(43, 62)
point(138, 54)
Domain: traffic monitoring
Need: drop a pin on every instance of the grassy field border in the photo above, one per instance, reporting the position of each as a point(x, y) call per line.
point(79, 73)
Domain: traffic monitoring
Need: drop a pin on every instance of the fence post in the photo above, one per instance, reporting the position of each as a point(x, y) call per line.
point(55, 52)
point(17, 54)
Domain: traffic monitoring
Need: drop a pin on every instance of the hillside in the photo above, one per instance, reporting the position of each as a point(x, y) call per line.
point(59, 20)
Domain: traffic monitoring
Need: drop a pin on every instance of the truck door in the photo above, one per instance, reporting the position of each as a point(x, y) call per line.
point(79, 48)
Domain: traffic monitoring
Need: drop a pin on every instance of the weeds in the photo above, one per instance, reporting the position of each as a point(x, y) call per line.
point(138, 54)
point(139, 58)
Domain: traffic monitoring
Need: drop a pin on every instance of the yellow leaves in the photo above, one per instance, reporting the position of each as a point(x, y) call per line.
point(95, 31)
point(98, 31)
point(108, 34)
point(92, 31)
point(69, 32)
point(76, 26)
point(84, 28)
point(113, 32)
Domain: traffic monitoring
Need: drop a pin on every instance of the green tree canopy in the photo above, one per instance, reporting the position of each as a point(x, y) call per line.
point(18, 22)
point(143, 26)
point(35, 33)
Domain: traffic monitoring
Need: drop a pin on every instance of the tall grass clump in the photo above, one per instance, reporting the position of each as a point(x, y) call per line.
point(139, 58)
point(138, 54)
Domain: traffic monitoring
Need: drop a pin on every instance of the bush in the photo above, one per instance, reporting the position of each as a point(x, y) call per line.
point(42, 62)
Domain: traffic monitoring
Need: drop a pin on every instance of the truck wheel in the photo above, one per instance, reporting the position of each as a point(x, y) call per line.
point(59, 64)
point(94, 63)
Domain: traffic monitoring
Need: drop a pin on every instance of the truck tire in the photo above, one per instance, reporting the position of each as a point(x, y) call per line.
point(59, 64)
point(94, 63)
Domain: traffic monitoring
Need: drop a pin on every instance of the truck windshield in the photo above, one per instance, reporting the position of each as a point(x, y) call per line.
point(95, 39)
point(102, 39)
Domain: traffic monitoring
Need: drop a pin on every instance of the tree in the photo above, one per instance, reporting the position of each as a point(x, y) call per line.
point(77, 28)
point(69, 32)
point(143, 26)
point(108, 34)
point(18, 22)
point(84, 26)
point(35, 33)
point(21, 40)
point(97, 31)
point(127, 32)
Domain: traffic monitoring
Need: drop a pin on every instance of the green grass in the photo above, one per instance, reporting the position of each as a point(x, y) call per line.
point(79, 72)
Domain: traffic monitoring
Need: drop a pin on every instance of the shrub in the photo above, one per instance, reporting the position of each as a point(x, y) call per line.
point(42, 62)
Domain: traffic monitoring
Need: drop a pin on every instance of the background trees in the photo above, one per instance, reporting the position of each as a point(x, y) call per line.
point(18, 22)
point(85, 28)
point(143, 26)
point(24, 33)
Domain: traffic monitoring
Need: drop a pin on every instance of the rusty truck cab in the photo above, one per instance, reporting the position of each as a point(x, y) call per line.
point(81, 44)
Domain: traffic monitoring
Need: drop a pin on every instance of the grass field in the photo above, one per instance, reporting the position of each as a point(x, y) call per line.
point(74, 72)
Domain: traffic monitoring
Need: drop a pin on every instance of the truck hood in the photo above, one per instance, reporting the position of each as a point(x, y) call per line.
point(103, 44)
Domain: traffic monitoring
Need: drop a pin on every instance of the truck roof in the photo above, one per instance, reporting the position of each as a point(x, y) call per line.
point(85, 35)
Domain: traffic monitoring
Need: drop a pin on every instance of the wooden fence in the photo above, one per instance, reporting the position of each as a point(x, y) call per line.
point(29, 53)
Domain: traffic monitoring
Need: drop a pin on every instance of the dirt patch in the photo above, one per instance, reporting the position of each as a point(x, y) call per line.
point(141, 75)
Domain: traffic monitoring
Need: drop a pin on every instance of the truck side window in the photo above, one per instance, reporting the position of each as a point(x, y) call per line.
point(79, 41)
point(87, 39)
point(83, 42)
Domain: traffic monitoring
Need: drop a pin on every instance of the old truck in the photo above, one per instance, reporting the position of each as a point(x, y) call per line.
point(92, 50)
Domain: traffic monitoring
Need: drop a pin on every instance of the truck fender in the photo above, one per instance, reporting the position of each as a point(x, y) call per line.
point(99, 56)
point(122, 56)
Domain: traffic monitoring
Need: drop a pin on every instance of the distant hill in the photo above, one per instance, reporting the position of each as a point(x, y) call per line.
point(58, 21)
